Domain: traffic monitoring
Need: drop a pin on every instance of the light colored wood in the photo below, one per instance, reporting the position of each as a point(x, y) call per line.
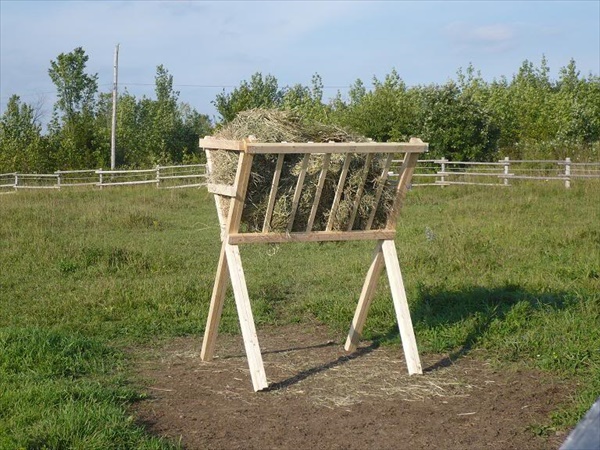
point(319, 191)
point(381, 185)
point(221, 189)
point(218, 200)
point(406, 173)
point(407, 334)
point(365, 299)
point(298, 191)
point(212, 143)
point(359, 192)
point(313, 236)
point(237, 203)
point(336, 147)
point(273, 194)
point(244, 310)
point(338, 192)
point(216, 308)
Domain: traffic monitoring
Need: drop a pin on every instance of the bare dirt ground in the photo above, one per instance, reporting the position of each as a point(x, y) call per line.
point(322, 398)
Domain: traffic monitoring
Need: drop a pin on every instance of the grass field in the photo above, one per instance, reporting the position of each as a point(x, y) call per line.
point(84, 275)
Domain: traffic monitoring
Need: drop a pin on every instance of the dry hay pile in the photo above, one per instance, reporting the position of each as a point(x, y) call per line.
point(284, 126)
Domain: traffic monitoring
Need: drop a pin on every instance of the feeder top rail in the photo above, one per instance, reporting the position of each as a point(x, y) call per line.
point(248, 146)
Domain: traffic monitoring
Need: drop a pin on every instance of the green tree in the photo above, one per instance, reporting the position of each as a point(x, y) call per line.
point(22, 147)
point(258, 93)
point(72, 127)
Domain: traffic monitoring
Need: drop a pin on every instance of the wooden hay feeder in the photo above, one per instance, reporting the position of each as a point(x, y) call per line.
point(230, 263)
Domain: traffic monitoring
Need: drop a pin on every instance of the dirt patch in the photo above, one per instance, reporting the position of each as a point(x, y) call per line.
point(323, 398)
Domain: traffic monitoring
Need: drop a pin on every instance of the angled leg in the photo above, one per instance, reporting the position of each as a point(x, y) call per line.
point(242, 302)
point(407, 334)
point(366, 296)
point(216, 308)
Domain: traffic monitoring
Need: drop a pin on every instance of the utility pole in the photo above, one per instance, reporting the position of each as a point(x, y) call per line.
point(113, 137)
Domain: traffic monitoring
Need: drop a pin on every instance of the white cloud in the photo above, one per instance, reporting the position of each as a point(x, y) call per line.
point(493, 38)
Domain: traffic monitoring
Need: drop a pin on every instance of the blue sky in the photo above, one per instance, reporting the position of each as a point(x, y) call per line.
point(208, 46)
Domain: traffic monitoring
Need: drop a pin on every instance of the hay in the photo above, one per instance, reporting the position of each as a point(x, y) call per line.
point(285, 126)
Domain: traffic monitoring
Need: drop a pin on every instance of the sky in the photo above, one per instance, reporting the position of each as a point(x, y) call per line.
point(211, 46)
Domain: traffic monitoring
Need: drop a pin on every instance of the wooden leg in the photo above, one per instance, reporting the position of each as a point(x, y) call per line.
point(216, 308)
point(407, 334)
point(366, 296)
point(242, 301)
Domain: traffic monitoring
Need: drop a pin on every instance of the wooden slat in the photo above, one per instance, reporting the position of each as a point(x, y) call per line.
point(216, 308)
point(366, 297)
point(406, 172)
point(337, 147)
point(241, 182)
point(242, 302)
point(359, 192)
point(225, 190)
point(218, 200)
point(338, 192)
point(210, 142)
point(380, 187)
point(273, 194)
point(407, 334)
point(313, 236)
point(320, 184)
point(298, 191)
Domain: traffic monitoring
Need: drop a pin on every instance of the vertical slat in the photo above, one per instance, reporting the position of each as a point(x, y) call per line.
point(320, 184)
point(338, 192)
point(366, 297)
point(382, 181)
point(407, 334)
point(242, 302)
point(218, 198)
point(216, 308)
point(241, 184)
point(406, 173)
point(298, 191)
point(359, 192)
point(273, 194)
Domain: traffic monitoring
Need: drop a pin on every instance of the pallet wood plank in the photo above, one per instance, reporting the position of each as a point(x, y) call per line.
point(338, 192)
point(313, 236)
point(221, 189)
point(273, 193)
point(337, 147)
point(237, 203)
point(407, 334)
point(365, 299)
point(216, 308)
point(359, 192)
point(298, 191)
point(212, 143)
point(242, 302)
point(317, 199)
point(382, 181)
point(406, 173)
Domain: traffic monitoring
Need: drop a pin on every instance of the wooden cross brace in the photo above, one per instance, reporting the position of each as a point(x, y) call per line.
point(230, 263)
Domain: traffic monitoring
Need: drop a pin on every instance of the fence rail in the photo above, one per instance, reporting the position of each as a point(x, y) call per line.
point(164, 177)
point(442, 172)
point(429, 172)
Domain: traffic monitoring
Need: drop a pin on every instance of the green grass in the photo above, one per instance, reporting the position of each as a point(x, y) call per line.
point(513, 273)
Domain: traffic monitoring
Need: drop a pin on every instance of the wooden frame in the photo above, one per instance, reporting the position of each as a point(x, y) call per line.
point(230, 263)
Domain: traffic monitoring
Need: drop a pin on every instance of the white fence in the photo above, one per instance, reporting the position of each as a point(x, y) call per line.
point(165, 177)
point(442, 172)
point(429, 172)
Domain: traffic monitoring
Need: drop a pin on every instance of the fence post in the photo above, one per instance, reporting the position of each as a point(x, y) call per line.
point(568, 172)
point(99, 172)
point(506, 169)
point(16, 180)
point(57, 179)
point(157, 175)
point(443, 165)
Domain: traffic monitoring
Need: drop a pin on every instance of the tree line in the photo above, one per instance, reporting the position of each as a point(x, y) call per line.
point(529, 116)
